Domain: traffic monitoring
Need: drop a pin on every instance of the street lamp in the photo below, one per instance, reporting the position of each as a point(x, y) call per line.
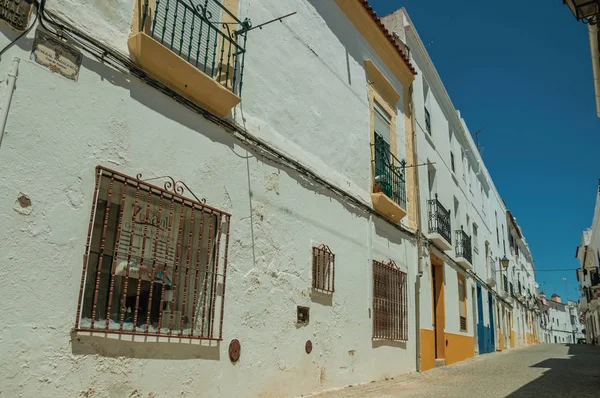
point(504, 262)
point(584, 10)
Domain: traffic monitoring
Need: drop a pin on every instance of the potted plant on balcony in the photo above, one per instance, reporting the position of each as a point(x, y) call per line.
point(377, 188)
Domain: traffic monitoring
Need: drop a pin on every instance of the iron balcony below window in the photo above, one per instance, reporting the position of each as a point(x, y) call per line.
point(439, 219)
point(389, 172)
point(206, 35)
point(463, 246)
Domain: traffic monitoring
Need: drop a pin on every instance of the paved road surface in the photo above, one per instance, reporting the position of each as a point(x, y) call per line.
point(543, 370)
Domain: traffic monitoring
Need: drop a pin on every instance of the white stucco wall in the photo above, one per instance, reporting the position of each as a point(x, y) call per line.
point(59, 130)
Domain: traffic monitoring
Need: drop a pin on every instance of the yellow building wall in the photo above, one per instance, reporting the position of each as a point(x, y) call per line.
point(512, 339)
point(427, 349)
point(460, 347)
point(501, 337)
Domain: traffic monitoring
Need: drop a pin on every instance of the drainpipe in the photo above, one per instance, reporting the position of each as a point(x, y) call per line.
point(594, 33)
point(417, 198)
point(12, 78)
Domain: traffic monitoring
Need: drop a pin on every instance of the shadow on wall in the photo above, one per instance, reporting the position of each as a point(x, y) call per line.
point(343, 29)
point(321, 298)
point(388, 343)
point(24, 43)
point(124, 347)
point(576, 376)
point(159, 102)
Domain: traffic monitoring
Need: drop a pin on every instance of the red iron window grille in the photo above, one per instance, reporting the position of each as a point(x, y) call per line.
point(155, 261)
point(323, 269)
point(390, 302)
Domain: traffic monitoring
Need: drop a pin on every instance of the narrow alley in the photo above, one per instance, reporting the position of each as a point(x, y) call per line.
point(551, 370)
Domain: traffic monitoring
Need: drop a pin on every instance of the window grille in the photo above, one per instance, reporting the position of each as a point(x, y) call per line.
point(323, 269)
point(463, 324)
point(155, 261)
point(390, 302)
point(427, 121)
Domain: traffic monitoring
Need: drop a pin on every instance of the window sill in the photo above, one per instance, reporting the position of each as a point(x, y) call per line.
point(387, 207)
point(429, 139)
point(181, 76)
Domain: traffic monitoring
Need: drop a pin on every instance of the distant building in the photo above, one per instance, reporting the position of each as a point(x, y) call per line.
point(560, 322)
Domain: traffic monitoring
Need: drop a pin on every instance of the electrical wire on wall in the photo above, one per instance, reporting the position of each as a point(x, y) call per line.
point(54, 24)
point(9, 45)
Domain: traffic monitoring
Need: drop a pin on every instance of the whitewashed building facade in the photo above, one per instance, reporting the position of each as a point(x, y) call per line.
point(561, 322)
point(193, 207)
point(464, 306)
point(211, 293)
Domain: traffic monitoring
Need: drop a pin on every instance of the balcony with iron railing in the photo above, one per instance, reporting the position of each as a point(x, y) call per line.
point(439, 224)
point(464, 254)
point(389, 187)
point(196, 48)
point(594, 275)
point(594, 278)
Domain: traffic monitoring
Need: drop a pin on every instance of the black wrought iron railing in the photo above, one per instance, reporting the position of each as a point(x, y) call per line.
point(588, 293)
point(389, 173)
point(595, 277)
point(202, 32)
point(463, 245)
point(463, 323)
point(439, 219)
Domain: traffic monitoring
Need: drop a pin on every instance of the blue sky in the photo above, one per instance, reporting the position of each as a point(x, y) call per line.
point(523, 68)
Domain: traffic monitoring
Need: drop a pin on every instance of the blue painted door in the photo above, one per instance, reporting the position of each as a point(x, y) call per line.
point(492, 328)
point(481, 340)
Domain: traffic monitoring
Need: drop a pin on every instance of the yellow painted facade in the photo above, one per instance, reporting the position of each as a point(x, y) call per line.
point(173, 70)
point(427, 349)
point(460, 347)
point(363, 22)
point(383, 93)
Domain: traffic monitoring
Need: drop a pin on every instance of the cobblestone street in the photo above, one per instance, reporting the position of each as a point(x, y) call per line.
point(550, 370)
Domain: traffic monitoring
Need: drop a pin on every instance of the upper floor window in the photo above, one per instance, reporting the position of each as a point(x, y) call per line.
point(427, 121)
point(383, 124)
point(155, 261)
point(452, 161)
point(388, 170)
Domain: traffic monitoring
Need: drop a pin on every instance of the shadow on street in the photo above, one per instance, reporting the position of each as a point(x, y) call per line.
point(576, 376)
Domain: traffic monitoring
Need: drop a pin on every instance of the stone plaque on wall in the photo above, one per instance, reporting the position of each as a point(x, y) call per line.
point(16, 12)
point(56, 55)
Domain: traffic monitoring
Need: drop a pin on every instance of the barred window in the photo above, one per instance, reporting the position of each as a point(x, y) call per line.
point(323, 269)
point(390, 302)
point(155, 261)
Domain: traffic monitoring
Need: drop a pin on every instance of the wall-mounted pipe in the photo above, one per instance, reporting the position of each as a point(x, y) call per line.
point(11, 81)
